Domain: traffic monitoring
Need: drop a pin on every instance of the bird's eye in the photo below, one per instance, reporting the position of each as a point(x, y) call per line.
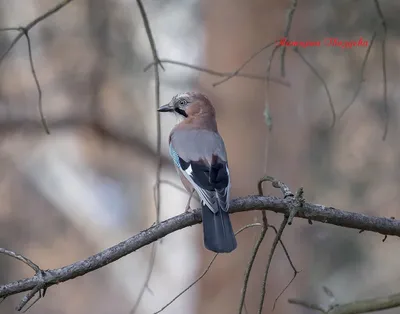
point(182, 102)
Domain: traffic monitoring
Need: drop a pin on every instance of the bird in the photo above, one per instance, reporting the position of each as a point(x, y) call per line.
point(200, 158)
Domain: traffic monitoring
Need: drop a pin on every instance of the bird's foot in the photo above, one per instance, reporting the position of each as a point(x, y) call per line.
point(188, 209)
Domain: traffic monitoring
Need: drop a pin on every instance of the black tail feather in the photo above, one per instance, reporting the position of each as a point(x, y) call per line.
point(218, 232)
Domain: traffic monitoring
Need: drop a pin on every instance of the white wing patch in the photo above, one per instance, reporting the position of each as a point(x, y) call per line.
point(223, 195)
point(208, 198)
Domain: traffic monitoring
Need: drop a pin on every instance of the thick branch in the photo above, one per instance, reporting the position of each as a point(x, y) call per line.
point(357, 307)
point(309, 211)
point(368, 305)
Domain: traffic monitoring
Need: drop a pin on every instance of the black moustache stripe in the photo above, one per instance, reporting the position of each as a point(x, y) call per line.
point(181, 112)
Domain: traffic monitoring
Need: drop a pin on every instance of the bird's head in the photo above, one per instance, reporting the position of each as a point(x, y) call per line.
point(188, 104)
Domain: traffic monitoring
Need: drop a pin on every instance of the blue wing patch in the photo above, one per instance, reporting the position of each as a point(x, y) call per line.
point(175, 156)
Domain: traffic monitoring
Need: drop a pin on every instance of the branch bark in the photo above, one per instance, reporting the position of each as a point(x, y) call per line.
point(330, 215)
point(356, 307)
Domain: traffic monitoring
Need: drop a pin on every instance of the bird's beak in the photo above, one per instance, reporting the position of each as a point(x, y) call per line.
point(166, 108)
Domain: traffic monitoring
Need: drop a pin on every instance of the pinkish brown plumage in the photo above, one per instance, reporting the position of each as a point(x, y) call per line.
point(200, 157)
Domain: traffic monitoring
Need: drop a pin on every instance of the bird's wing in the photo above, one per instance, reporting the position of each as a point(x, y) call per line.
point(201, 156)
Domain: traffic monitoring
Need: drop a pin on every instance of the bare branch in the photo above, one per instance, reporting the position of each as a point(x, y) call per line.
point(286, 34)
point(383, 51)
point(314, 212)
point(205, 271)
point(255, 250)
point(269, 66)
point(157, 63)
point(40, 105)
point(148, 277)
point(250, 266)
point(38, 273)
point(287, 193)
point(220, 74)
point(364, 63)
point(357, 307)
point(191, 285)
point(278, 185)
point(21, 258)
point(32, 293)
point(24, 31)
point(284, 289)
point(29, 26)
point(235, 73)
point(29, 296)
point(295, 271)
point(368, 305)
point(159, 161)
point(323, 84)
point(271, 254)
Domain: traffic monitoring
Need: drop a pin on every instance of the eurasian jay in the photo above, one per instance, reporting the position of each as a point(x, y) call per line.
point(199, 155)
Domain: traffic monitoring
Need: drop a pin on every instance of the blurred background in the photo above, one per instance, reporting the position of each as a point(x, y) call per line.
point(89, 185)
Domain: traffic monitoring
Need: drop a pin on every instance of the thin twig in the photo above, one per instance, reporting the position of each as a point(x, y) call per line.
point(356, 307)
point(205, 271)
point(363, 65)
point(271, 254)
point(40, 105)
point(191, 285)
point(295, 271)
point(286, 192)
point(156, 61)
point(283, 290)
point(219, 74)
point(24, 31)
point(245, 308)
point(158, 122)
point(255, 250)
point(383, 52)
point(148, 277)
point(297, 202)
point(31, 294)
point(21, 258)
point(29, 26)
point(276, 184)
point(269, 66)
point(250, 266)
point(235, 73)
point(323, 83)
point(286, 34)
point(36, 290)
point(188, 287)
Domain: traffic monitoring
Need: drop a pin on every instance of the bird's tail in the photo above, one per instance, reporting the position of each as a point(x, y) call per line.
point(218, 232)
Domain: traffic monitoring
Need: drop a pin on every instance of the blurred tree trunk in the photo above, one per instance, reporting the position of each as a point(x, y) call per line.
point(234, 31)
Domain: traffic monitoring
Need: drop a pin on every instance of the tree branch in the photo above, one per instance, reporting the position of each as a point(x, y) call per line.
point(220, 74)
point(24, 31)
point(357, 307)
point(310, 211)
point(29, 26)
